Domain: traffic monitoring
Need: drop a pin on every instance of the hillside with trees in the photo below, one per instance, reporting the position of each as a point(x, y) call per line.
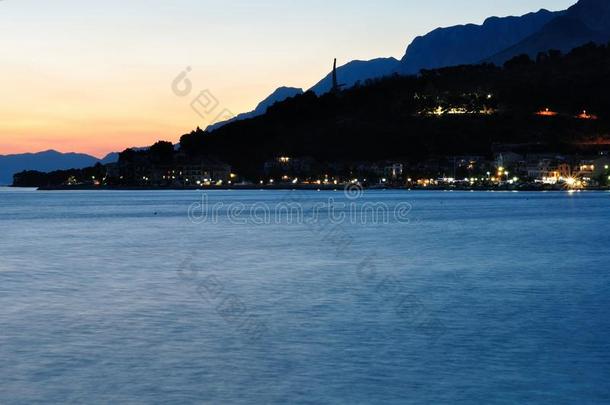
point(451, 111)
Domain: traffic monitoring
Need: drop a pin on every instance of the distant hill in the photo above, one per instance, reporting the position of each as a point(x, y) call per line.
point(278, 95)
point(357, 71)
point(594, 13)
point(46, 161)
point(457, 45)
point(112, 157)
point(350, 74)
point(586, 21)
point(469, 44)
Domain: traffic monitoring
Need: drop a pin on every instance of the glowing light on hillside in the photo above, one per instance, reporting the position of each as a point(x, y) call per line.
point(586, 116)
point(547, 113)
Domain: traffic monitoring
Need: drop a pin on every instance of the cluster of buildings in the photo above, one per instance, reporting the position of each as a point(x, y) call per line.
point(183, 171)
point(505, 168)
point(510, 168)
point(573, 171)
point(307, 171)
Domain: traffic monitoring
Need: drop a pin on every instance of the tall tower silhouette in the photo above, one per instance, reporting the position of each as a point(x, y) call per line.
point(336, 86)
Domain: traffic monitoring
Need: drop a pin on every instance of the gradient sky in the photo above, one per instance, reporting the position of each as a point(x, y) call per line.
point(96, 77)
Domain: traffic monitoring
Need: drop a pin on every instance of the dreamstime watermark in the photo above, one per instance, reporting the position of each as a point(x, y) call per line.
point(205, 104)
point(297, 213)
point(407, 307)
point(326, 221)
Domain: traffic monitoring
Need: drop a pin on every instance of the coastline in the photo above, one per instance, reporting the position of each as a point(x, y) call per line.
point(280, 187)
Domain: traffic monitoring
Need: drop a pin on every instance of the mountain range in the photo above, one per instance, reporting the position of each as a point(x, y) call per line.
point(496, 41)
point(471, 44)
point(47, 161)
point(586, 21)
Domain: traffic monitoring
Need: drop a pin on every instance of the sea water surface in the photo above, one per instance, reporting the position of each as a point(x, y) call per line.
point(123, 297)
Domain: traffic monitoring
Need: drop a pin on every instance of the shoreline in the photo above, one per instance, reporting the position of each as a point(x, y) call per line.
point(322, 187)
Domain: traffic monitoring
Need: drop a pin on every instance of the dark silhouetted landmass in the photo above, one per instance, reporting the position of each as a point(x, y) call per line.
point(278, 95)
point(395, 116)
point(43, 162)
point(555, 104)
point(88, 176)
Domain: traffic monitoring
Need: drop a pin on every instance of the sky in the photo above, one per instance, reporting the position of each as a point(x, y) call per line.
point(96, 76)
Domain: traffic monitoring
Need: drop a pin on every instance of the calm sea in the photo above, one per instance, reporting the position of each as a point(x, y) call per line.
point(227, 297)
